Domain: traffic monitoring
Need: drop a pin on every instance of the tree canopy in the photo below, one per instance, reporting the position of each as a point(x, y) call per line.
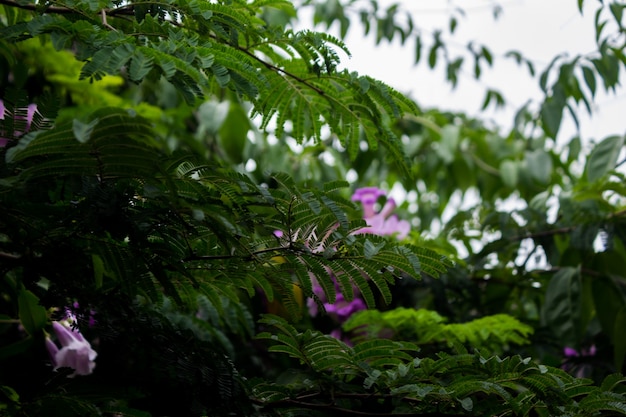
point(197, 220)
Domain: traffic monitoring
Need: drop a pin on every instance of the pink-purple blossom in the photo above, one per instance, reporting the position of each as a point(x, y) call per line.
point(368, 196)
point(383, 223)
point(574, 362)
point(75, 351)
point(341, 309)
point(569, 352)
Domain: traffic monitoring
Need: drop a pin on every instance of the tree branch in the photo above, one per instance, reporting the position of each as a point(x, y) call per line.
point(35, 7)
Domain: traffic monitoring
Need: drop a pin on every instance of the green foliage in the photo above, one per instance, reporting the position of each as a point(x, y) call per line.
point(423, 327)
point(296, 81)
point(124, 179)
point(336, 378)
point(185, 173)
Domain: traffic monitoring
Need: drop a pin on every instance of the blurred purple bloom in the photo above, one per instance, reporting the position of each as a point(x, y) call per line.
point(30, 112)
point(341, 309)
point(570, 352)
point(368, 197)
point(577, 363)
point(383, 223)
point(75, 352)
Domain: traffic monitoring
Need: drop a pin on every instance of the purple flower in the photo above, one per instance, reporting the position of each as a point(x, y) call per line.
point(75, 352)
point(368, 197)
point(577, 363)
point(569, 352)
point(30, 112)
point(344, 308)
point(382, 223)
point(341, 309)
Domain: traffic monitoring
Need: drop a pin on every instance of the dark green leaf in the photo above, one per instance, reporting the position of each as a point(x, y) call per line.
point(418, 48)
point(453, 24)
point(432, 56)
point(552, 112)
point(603, 157)
point(561, 309)
point(539, 165)
point(617, 10)
point(620, 338)
point(608, 302)
point(590, 79)
point(32, 315)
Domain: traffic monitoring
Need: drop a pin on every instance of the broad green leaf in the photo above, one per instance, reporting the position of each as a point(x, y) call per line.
point(617, 10)
point(608, 302)
point(552, 112)
point(233, 132)
point(561, 309)
point(509, 171)
point(603, 157)
point(574, 148)
point(432, 54)
point(590, 79)
point(32, 315)
point(539, 165)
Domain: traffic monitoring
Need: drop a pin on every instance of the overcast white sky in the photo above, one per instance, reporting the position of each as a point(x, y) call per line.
point(539, 29)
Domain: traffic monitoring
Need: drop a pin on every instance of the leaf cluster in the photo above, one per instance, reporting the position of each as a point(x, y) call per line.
point(291, 78)
point(424, 327)
point(336, 378)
